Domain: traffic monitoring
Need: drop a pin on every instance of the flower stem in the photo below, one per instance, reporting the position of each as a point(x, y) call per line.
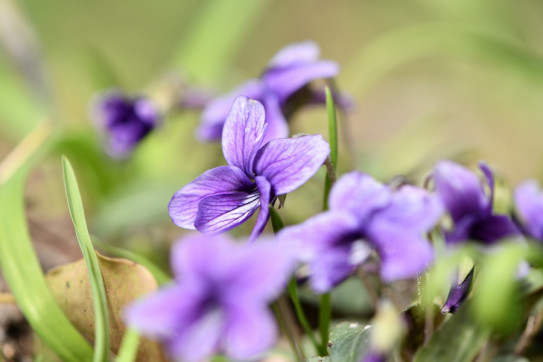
point(277, 225)
point(325, 306)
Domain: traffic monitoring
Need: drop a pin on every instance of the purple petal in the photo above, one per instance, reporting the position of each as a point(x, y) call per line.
point(529, 203)
point(403, 254)
point(299, 53)
point(259, 272)
point(199, 256)
point(341, 100)
point(458, 294)
point(201, 339)
point(216, 111)
point(460, 190)
point(489, 175)
point(243, 132)
point(288, 163)
point(166, 312)
point(413, 209)
point(183, 207)
point(219, 213)
point(250, 331)
point(325, 242)
point(264, 189)
point(493, 228)
point(285, 81)
point(277, 124)
point(360, 194)
point(146, 111)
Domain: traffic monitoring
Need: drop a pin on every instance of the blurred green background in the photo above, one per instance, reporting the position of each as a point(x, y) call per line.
point(431, 79)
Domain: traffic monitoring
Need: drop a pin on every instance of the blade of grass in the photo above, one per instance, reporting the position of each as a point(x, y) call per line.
point(18, 260)
point(75, 205)
point(129, 346)
point(325, 305)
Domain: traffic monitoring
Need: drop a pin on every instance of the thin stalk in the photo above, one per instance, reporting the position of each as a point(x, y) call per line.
point(325, 306)
point(6, 298)
point(277, 225)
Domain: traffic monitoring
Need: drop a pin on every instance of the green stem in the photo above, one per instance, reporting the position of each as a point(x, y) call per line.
point(277, 225)
point(325, 306)
point(325, 312)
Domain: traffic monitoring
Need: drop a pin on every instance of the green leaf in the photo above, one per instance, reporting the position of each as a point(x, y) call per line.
point(499, 307)
point(459, 339)
point(75, 205)
point(349, 342)
point(19, 263)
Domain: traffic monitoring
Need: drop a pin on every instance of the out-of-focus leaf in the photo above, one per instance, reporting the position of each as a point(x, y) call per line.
point(216, 36)
point(124, 282)
point(135, 207)
point(318, 359)
point(18, 260)
point(75, 205)
point(458, 339)
point(499, 307)
point(415, 317)
point(348, 342)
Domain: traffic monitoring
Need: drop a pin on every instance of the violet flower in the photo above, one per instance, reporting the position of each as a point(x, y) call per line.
point(219, 300)
point(290, 70)
point(470, 208)
point(226, 196)
point(125, 121)
point(471, 211)
point(364, 215)
point(529, 203)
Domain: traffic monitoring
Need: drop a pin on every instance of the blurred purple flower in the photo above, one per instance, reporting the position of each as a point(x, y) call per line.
point(529, 203)
point(125, 121)
point(470, 208)
point(287, 74)
point(364, 215)
point(226, 196)
point(219, 300)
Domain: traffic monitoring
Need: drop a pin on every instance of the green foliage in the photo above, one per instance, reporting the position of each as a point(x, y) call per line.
point(349, 342)
point(18, 260)
point(75, 205)
point(460, 338)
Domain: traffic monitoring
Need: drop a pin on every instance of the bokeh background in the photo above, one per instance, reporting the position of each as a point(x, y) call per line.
point(430, 79)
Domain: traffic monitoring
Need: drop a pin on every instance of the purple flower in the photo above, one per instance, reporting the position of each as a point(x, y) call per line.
point(469, 206)
point(458, 293)
point(226, 196)
point(289, 72)
point(364, 215)
point(218, 301)
point(529, 202)
point(125, 121)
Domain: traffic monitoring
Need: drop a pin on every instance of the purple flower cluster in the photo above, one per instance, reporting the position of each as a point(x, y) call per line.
point(125, 121)
point(257, 172)
point(529, 202)
point(289, 72)
point(366, 215)
point(218, 301)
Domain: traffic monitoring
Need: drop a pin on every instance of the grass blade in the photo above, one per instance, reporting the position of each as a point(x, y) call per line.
point(18, 260)
point(75, 205)
point(129, 347)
